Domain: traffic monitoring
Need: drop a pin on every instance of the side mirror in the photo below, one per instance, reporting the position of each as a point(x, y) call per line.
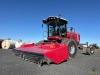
point(50, 31)
point(42, 25)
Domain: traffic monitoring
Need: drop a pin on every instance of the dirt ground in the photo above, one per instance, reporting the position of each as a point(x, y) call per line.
point(80, 65)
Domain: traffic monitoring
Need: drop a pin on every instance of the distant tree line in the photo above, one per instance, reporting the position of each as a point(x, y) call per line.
point(95, 46)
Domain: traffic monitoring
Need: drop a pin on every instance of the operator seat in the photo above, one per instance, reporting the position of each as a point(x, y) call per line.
point(58, 31)
point(63, 32)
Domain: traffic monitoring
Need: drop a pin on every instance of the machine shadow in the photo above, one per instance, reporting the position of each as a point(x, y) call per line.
point(85, 54)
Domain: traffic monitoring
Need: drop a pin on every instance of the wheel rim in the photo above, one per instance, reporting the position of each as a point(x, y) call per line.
point(72, 49)
point(92, 51)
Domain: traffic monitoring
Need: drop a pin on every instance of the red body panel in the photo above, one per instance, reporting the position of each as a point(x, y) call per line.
point(58, 55)
point(55, 52)
point(73, 35)
point(54, 38)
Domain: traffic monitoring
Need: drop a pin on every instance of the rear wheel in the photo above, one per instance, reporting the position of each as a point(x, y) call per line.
point(72, 47)
point(90, 51)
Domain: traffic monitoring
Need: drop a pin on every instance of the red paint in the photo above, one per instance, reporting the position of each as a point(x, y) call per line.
point(27, 45)
point(57, 53)
point(75, 37)
point(54, 37)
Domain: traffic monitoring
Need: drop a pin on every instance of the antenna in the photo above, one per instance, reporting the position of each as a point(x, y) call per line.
point(59, 15)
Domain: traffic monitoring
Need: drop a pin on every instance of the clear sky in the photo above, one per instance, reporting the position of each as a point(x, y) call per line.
point(22, 19)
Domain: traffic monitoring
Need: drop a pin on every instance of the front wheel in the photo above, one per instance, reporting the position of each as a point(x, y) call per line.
point(72, 47)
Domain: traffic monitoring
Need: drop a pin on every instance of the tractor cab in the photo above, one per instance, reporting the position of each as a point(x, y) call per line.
point(56, 27)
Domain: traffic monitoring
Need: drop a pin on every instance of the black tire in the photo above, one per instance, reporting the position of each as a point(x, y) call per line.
point(71, 43)
point(90, 51)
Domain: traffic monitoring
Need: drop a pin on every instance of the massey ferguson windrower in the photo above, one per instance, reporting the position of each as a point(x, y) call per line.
point(59, 46)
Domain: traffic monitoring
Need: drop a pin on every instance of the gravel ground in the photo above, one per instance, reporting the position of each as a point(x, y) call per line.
point(81, 65)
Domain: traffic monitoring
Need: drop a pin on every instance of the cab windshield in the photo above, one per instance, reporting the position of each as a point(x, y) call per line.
point(57, 30)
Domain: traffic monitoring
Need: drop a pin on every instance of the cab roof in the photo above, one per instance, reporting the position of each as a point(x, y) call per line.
point(52, 20)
